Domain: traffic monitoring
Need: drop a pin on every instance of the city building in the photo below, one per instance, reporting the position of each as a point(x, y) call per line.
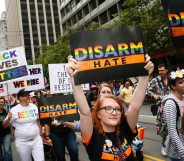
point(81, 13)
point(32, 24)
point(3, 32)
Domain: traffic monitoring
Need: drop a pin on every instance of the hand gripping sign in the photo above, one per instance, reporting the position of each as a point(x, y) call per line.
point(108, 54)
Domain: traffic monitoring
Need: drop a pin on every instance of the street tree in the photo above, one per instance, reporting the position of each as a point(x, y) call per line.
point(55, 53)
point(149, 16)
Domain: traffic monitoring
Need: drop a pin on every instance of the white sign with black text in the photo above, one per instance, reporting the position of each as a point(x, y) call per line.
point(33, 82)
point(59, 79)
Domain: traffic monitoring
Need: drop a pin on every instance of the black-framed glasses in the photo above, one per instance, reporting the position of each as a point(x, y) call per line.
point(110, 109)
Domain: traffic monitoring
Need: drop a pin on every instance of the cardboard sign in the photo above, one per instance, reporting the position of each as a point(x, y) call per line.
point(108, 54)
point(13, 64)
point(175, 13)
point(34, 81)
point(3, 90)
point(59, 79)
point(57, 107)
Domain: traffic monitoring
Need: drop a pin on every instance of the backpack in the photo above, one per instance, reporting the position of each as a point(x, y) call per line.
point(161, 123)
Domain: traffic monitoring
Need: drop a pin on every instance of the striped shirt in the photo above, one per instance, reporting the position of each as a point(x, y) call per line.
point(175, 140)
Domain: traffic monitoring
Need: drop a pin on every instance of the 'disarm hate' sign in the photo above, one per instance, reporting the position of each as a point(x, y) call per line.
point(108, 54)
point(175, 14)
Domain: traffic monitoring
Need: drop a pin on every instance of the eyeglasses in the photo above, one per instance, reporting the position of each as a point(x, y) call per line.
point(108, 92)
point(110, 109)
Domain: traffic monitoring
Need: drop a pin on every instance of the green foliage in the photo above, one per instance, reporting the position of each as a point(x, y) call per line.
point(30, 62)
point(56, 53)
point(94, 25)
point(150, 17)
point(145, 14)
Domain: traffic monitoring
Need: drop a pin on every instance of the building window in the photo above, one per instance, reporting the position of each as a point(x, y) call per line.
point(85, 10)
point(100, 2)
point(68, 8)
point(103, 18)
point(92, 5)
point(74, 20)
point(95, 20)
point(112, 11)
point(68, 23)
point(63, 13)
point(77, 1)
point(79, 15)
point(72, 4)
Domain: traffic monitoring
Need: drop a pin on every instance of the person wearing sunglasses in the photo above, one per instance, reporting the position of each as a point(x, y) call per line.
point(108, 133)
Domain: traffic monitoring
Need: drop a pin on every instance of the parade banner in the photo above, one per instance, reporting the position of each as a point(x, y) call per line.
point(108, 54)
point(34, 81)
point(59, 79)
point(57, 108)
point(13, 64)
point(3, 90)
point(175, 13)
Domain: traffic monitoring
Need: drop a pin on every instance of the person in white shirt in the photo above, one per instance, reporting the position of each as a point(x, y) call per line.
point(24, 118)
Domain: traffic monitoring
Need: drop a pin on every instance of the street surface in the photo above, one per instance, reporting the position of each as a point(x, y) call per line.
point(152, 142)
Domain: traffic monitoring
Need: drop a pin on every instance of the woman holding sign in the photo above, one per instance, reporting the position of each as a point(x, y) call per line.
point(108, 133)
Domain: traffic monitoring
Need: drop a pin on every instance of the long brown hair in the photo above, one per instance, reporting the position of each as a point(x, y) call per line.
point(97, 106)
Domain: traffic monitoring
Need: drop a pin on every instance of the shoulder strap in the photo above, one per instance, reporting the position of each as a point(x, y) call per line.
point(177, 108)
point(178, 112)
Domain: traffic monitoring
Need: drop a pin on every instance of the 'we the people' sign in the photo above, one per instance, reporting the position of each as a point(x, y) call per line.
point(13, 64)
point(34, 81)
point(59, 79)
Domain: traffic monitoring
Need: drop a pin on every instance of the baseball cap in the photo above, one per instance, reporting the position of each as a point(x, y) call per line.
point(94, 86)
point(22, 92)
point(32, 94)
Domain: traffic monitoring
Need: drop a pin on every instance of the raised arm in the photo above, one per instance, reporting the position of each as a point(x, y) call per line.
point(139, 95)
point(85, 113)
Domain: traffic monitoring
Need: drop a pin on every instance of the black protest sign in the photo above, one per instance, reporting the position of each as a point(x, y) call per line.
point(108, 54)
point(57, 107)
point(175, 13)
